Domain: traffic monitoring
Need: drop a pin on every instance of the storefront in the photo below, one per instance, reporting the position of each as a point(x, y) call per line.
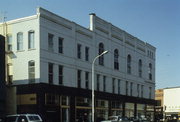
point(63, 104)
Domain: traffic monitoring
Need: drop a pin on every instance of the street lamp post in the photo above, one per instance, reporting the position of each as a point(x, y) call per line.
point(105, 52)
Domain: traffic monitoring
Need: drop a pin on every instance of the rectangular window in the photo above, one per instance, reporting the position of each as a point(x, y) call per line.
point(104, 83)
point(79, 78)
point(60, 75)
point(79, 51)
point(31, 40)
point(51, 99)
point(60, 45)
point(98, 82)
point(113, 85)
point(142, 90)
point(20, 41)
point(50, 42)
point(87, 79)
point(31, 67)
point(127, 88)
point(87, 53)
point(119, 86)
point(137, 90)
point(150, 95)
point(131, 89)
point(9, 42)
point(50, 72)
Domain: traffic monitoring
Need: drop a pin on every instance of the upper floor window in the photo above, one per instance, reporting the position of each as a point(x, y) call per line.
point(150, 71)
point(9, 42)
point(60, 74)
point(87, 53)
point(127, 86)
point(116, 56)
point(113, 85)
point(31, 40)
point(20, 41)
point(79, 78)
point(50, 73)
point(129, 64)
point(79, 51)
point(140, 67)
point(50, 42)
point(142, 90)
point(131, 89)
point(87, 80)
point(31, 67)
point(60, 44)
point(137, 90)
point(150, 94)
point(101, 50)
point(119, 86)
point(98, 82)
point(104, 83)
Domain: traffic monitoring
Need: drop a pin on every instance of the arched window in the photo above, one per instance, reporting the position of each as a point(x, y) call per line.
point(116, 58)
point(150, 71)
point(31, 39)
point(129, 64)
point(20, 41)
point(140, 67)
point(31, 67)
point(101, 50)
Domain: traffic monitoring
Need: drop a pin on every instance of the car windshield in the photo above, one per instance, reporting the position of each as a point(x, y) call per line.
point(11, 119)
point(113, 118)
point(32, 118)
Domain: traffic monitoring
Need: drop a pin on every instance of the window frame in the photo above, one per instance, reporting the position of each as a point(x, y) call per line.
point(31, 71)
point(79, 46)
point(101, 50)
point(79, 74)
point(116, 59)
point(19, 41)
point(129, 61)
point(50, 42)
point(60, 68)
point(60, 45)
point(50, 73)
point(31, 41)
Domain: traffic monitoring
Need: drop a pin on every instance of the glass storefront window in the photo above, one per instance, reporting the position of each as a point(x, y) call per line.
point(129, 109)
point(102, 103)
point(80, 101)
point(150, 112)
point(51, 99)
point(65, 114)
point(65, 108)
point(140, 110)
point(101, 114)
point(116, 108)
point(65, 100)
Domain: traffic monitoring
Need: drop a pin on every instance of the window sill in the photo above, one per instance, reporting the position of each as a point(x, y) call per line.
point(31, 49)
point(20, 51)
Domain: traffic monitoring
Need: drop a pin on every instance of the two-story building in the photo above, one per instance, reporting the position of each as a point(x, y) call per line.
point(50, 60)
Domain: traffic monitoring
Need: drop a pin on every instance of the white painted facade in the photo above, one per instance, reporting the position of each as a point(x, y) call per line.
point(171, 100)
point(101, 31)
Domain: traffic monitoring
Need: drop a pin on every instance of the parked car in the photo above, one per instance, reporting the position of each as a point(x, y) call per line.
point(23, 118)
point(116, 119)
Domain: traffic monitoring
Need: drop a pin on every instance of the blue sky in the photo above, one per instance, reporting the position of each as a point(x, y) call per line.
point(154, 21)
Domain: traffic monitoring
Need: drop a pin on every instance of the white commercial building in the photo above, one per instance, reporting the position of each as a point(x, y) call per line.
point(50, 59)
point(172, 101)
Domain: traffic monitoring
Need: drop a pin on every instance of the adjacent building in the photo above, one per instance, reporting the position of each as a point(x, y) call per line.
point(2, 77)
point(50, 60)
point(168, 103)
